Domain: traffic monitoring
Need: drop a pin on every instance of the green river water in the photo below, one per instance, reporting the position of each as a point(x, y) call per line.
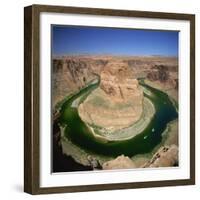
point(77, 131)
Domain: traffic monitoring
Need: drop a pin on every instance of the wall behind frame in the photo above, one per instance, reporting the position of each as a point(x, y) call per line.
point(11, 100)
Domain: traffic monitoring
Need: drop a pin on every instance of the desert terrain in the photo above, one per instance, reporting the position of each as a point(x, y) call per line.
point(118, 109)
point(70, 73)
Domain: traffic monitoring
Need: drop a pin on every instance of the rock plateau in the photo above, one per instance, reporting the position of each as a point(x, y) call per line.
point(117, 102)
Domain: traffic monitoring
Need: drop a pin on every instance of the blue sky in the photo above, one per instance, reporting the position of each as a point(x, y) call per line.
point(95, 40)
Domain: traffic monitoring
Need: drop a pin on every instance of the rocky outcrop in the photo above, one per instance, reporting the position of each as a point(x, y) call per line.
point(117, 103)
point(164, 74)
point(94, 163)
point(118, 83)
point(70, 73)
point(121, 162)
point(160, 73)
point(166, 156)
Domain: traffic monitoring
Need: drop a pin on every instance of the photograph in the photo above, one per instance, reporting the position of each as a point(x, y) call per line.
point(109, 99)
point(114, 98)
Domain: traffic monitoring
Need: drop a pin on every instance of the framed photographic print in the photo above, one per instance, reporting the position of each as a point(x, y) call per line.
point(109, 99)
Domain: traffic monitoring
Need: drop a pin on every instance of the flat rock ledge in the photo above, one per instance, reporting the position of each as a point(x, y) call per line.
point(166, 156)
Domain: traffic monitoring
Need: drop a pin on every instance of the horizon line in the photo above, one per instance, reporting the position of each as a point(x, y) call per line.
point(115, 55)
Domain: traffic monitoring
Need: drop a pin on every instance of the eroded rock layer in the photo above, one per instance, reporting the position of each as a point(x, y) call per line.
point(117, 103)
point(121, 162)
point(70, 73)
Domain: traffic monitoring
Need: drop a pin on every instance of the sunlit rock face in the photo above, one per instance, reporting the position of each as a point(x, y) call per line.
point(117, 103)
point(121, 162)
point(117, 81)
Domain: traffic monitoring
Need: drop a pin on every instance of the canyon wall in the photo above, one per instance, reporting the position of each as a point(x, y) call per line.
point(70, 73)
